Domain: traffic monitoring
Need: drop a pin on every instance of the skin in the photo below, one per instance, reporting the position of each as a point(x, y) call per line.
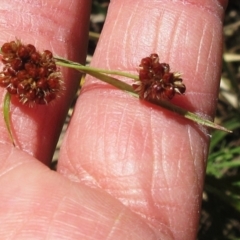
point(127, 169)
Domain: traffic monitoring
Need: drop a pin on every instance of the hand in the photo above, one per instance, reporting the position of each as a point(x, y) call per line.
point(127, 169)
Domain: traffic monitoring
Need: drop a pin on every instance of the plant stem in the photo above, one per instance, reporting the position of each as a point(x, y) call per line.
point(6, 114)
point(64, 63)
point(189, 115)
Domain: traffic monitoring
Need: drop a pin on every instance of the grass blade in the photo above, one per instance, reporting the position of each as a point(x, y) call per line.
point(6, 114)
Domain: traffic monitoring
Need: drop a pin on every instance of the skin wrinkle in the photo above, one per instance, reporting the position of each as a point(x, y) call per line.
point(180, 39)
point(212, 43)
point(71, 228)
point(208, 66)
point(208, 51)
point(211, 7)
point(118, 144)
point(167, 32)
point(88, 211)
point(199, 165)
point(28, 221)
point(171, 190)
point(155, 161)
point(85, 209)
point(191, 144)
point(47, 235)
point(68, 232)
point(177, 37)
point(111, 39)
point(159, 26)
point(125, 140)
point(22, 121)
point(87, 112)
point(131, 40)
point(20, 230)
point(53, 31)
point(13, 167)
point(70, 170)
point(81, 170)
point(147, 199)
point(44, 9)
point(115, 225)
point(71, 204)
point(15, 230)
point(189, 180)
point(188, 205)
point(153, 32)
point(147, 144)
point(179, 162)
point(54, 214)
point(100, 148)
point(6, 156)
point(197, 158)
point(26, 24)
point(118, 135)
point(203, 34)
point(206, 77)
point(164, 177)
point(101, 132)
point(130, 135)
point(126, 35)
point(164, 157)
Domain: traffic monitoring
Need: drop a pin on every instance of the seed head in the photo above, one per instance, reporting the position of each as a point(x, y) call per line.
point(156, 81)
point(30, 75)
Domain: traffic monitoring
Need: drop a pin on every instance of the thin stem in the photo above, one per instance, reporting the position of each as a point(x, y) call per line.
point(74, 65)
point(189, 115)
point(113, 81)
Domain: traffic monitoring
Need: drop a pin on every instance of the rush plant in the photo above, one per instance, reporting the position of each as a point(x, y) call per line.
point(35, 78)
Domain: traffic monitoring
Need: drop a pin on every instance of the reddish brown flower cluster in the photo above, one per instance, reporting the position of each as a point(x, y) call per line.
point(156, 81)
point(32, 76)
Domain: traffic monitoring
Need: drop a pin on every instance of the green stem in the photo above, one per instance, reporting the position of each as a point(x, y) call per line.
point(74, 65)
point(113, 81)
point(189, 115)
point(6, 114)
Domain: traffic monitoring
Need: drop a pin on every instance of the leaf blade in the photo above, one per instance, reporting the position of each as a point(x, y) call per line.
point(6, 114)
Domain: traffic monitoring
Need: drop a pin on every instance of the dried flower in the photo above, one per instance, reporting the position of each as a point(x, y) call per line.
point(156, 81)
point(32, 76)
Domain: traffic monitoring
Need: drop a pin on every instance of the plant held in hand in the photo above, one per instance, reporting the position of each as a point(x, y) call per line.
point(34, 78)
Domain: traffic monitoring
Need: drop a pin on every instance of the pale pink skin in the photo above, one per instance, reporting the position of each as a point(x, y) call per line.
point(127, 169)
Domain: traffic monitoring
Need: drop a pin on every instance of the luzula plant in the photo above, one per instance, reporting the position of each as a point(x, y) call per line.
point(34, 78)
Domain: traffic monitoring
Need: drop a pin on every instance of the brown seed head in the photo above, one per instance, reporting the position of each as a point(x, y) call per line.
point(30, 75)
point(156, 81)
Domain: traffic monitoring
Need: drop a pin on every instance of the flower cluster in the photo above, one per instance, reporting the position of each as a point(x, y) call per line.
point(156, 81)
point(30, 75)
